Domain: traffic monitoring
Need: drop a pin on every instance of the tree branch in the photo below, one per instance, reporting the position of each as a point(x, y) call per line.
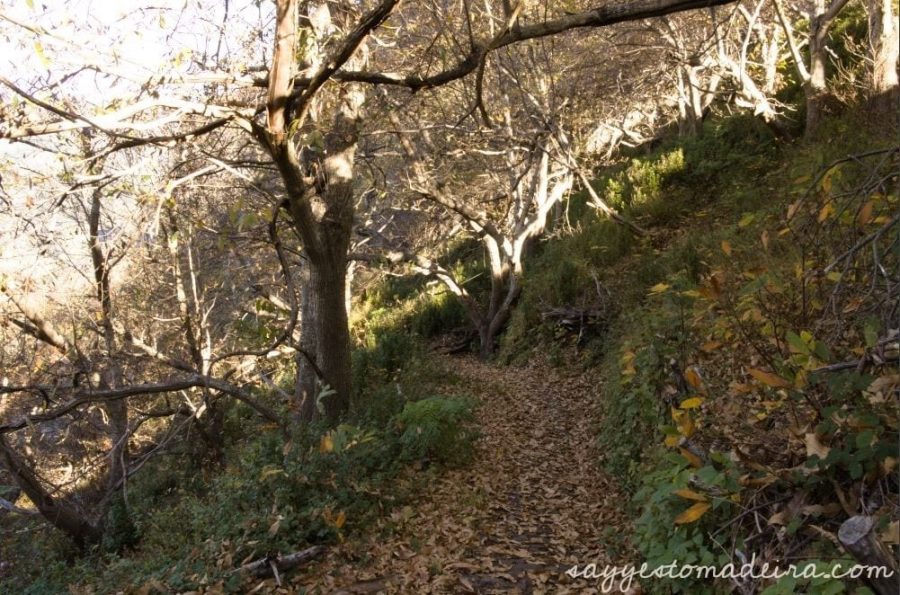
point(102, 396)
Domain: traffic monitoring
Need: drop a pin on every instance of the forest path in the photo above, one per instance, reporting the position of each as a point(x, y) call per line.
point(532, 503)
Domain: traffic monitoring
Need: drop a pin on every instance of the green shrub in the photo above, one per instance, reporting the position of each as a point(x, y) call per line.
point(438, 429)
point(439, 314)
point(661, 541)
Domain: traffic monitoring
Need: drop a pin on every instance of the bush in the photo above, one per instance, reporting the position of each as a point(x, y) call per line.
point(438, 429)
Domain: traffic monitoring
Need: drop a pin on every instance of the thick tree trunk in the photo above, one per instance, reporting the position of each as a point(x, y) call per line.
point(884, 45)
point(326, 321)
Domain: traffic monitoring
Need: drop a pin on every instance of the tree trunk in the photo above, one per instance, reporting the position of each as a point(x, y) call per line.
point(325, 320)
point(815, 84)
point(306, 387)
point(58, 513)
point(884, 45)
point(816, 90)
point(111, 376)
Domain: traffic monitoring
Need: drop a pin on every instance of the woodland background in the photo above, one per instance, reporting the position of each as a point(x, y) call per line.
point(269, 269)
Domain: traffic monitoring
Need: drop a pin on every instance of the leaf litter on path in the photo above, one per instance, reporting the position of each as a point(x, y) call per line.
point(531, 505)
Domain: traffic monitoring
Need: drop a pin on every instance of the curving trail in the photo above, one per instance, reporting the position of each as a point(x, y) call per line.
point(532, 504)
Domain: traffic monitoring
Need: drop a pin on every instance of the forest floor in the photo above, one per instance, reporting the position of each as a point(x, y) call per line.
point(531, 505)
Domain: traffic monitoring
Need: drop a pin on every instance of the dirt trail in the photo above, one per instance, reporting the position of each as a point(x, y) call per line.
point(530, 506)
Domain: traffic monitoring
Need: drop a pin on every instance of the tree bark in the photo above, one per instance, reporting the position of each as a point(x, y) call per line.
point(320, 189)
point(858, 537)
point(329, 327)
point(815, 87)
point(884, 45)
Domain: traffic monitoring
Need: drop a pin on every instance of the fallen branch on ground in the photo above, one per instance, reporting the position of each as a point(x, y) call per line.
point(271, 565)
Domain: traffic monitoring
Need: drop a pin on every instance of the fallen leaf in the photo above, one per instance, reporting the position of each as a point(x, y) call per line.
point(693, 459)
point(891, 535)
point(692, 514)
point(726, 247)
point(692, 376)
point(865, 214)
point(769, 379)
point(710, 346)
point(691, 403)
point(659, 288)
point(814, 447)
point(340, 520)
point(690, 495)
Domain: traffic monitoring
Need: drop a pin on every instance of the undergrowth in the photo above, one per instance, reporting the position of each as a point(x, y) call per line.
point(186, 524)
point(713, 402)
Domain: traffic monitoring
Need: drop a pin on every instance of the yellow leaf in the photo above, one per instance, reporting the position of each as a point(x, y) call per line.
point(826, 212)
point(326, 444)
point(39, 50)
point(672, 440)
point(683, 422)
point(271, 470)
point(764, 238)
point(692, 514)
point(726, 247)
point(865, 214)
point(273, 528)
point(769, 379)
point(691, 403)
point(690, 495)
point(659, 288)
point(834, 276)
point(340, 520)
point(693, 459)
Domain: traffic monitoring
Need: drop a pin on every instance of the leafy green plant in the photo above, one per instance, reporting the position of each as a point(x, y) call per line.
point(437, 428)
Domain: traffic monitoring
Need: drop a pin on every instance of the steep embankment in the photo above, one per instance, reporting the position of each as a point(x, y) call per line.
point(531, 505)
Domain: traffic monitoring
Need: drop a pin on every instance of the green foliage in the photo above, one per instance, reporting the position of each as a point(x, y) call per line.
point(438, 429)
point(661, 540)
point(120, 531)
point(716, 205)
point(440, 314)
point(643, 180)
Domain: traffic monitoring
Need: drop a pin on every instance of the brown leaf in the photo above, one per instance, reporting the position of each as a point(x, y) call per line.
point(692, 376)
point(814, 447)
point(710, 346)
point(891, 535)
point(693, 459)
point(726, 247)
point(865, 214)
point(769, 379)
